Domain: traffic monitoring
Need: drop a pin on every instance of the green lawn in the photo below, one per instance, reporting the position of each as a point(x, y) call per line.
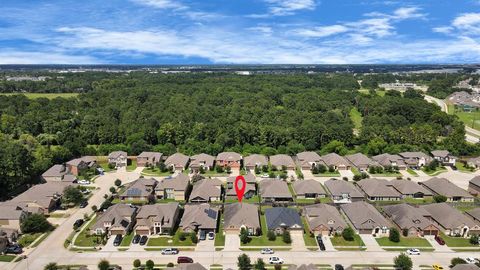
point(155, 172)
point(356, 118)
point(7, 258)
point(312, 201)
point(355, 171)
point(386, 174)
point(328, 174)
point(307, 236)
point(164, 240)
point(40, 240)
point(254, 199)
point(27, 239)
point(438, 171)
point(219, 236)
point(404, 242)
point(461, 167)
point(339, 241)
point(262, 240)
point(132, 166)
point(43, 95)
point(456, 241)
point(84, 239)
point(418, 201)
point(214, 174)
point(470, 119)
point(412, 172)
point(127, 240)
point(104, 165)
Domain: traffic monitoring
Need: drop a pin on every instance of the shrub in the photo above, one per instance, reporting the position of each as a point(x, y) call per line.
point(405, 232)
point(118, 182)
point(170, 264)
point(193, 237)
point(331, 169)
point(322, 168)
point(111, 166)
point(277, 267)
point(150, 264)
point(439, 198)
point(103, 265)
point(403, 262)
point(182, 236)
point(348, 234)
point(113, 190)
point(474, 239)
point(94, 208)
point(357, 177)
point(456, 261)
point(244, 237)
point(394, 235)
point(137, 263)
point(271, 236)
point(287, 239)
point(244, 262)
point(51, 266)
point(259, 264)
point(35, 223)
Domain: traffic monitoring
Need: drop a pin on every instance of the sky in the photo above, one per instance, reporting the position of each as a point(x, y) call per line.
point(239, 32)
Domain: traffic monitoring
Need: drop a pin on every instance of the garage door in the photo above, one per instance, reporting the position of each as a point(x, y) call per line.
point(142, 232)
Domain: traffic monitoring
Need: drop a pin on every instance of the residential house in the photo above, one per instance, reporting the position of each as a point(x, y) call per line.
point(204, 161)
point(361, 161)
point(173, 188)
point(308, 189)
point(177, 161)
point(11, 216)
point(3, 243)
point(324, 219)
point(366, 219)
point(411, 219)
point(415, 160)
point(117, 219)
point(410, 189)
point(308, 160)
point(465, 267)
point(279, 219)
point(157, 218)
point(238, 215)
point(12, 235)
point(74, 166)
point(474, 214)
point(343, 191)
point(149, 159)
point(250, 188)
point(58, 173)
point(255, 160)
point(450, 221)
point(229, 159)
point(281, 160)
point(444, 157)
point(207, 190)
point(139, 190)
point(474, 162)
point(187, 266)
point(310, 266)
point(199, 217)
point(378, 190)
point(474, 185)
point(441, 186)
point(118, 158)
point(272, 190)
point(387, 160)
point(336, 161)
point(41, 198)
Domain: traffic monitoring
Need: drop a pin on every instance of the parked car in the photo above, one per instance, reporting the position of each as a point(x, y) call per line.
point(203, 235)
point(413, 251)
point(265, 175)
point(169, 251)
point(117, 240)
point(338, 267)
point(83, 204)
point(183, 259)
point(211, 235)
point(471, 260)
point(267, 251)
point(320, 243)
point(437, 267)
point(143, 240)
point(13, 249)
point(439, 240)
point(86, 191)
point(136, 239)
point(83, 182)
point(275, 260)
point(78, 223)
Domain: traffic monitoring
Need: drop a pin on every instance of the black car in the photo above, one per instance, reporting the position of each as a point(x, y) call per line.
point(143, 240)
point(78, 223)
point(203, 235)
point(14, 249)
point(338, 267)
point(83, 204)
point(136, 239)
point(118, 240)
point(320, 243)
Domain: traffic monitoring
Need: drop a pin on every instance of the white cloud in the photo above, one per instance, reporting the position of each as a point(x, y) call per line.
point(443, 29)
point(262, 29)
point(162, 4)
point(466, 24)
point(322, 31)
point(8, 57)
point(284, 8)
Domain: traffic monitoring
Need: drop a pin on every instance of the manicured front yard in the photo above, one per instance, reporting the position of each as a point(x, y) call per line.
point(84, 239)
point(412, 172)
point(155, 172)
point(386, 174)
point(27, 239)
point(339, 241)
point(164, 240)
point(132, 166)
point(262, 240)
point(7, 258)
point(214, 173)
point(438, 171)
point(308, 238)
point(456, 241)
point(461, 167)
point(127, 240)
point(404, 242)
point(327, 174)
point(219, 236)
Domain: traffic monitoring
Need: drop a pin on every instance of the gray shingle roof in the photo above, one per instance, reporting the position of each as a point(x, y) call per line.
point(323, 214)
point(187, 266)
point(202, 158)
point(407, 216)
point(440, 153)
point(163, 213)
point(151, 156)
point(238, 214)
point(282, 217)
point(476, 180)
point(142, 187)
point(339, 187)
point(308, 156)
point(57, 170)
point(303, 267)
point(360, 160)
point(42, 194)
point(282, 160)
point(206, 188)
point(447, 216)
point(301, 187)
point(444, 187)
point(407, 187)
point(377, 188)
point(117, 154)
point(255, 160)
point(272, 188)
point(474, 213)
point(389, 160)
point(118, 215)
point(364, 216)
point(229, 156)
point(177, 160)
point(177, 183)
point(202, 216)
point(334, 159)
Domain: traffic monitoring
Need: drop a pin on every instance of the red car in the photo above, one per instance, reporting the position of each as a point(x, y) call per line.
point(439, 240)
point(183, 259)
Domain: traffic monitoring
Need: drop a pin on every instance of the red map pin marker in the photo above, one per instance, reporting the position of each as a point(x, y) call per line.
point(240, 185)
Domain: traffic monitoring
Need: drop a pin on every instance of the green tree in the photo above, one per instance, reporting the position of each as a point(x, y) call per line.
point(403, 262)
point(474, 239)
point(103, 265)
point(137, 263)
point(271, 236)
point(348, 234)
point(149, 264)
point(118, 182)
point(394, 235)
point(72, 195)
point(193, 237)
point(259, 264)
point(440, 198)
point(35, 223)
point(244, 262)
point(51, 266)
point(287, 239)
point(456, 261)
point(244, 237)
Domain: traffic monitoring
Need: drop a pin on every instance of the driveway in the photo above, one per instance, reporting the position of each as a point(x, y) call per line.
point(298, 244)
point(346, 173)
point(328, 244)
point(290, 174)
point(232, 242)
point(307, 174)
point(109, 246)
point(370, 242)
point(436, 245)
point(205, 245)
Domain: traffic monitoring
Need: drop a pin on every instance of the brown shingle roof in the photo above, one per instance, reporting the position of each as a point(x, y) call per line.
point(202, 216)
point(377, 188)
point(202, 158)
point(272, 188)
point(229, 156)
point(177, 183)
point(255, 160)
point(334, 159)
point(407, 216)
point(364, 216)
point(444, 187)
point(238, 214)
point(301, 187)
point(206, 188)
point(177, 160)
point(323, 214)
point(282, 160)
point(339, 187)
point(447, 216)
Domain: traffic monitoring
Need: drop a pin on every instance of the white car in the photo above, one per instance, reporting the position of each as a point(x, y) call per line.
point(275, 260)
point(413, 251)
point(211, 236)
point(265, 175)
point(471, 260)
point(267, 251)
point(169, 251)
point(83, 182)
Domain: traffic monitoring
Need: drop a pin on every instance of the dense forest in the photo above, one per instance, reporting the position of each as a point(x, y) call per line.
point(211, 113)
